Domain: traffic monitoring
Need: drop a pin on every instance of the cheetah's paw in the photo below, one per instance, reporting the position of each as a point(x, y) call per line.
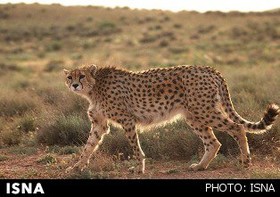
point(196, 167)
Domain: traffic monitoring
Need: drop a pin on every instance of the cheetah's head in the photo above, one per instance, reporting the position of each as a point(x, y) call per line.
point(80, 80)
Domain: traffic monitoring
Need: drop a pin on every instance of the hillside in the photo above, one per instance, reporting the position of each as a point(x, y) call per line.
point(41, 121)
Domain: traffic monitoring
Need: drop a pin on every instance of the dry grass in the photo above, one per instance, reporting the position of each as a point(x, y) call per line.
point(37, 41)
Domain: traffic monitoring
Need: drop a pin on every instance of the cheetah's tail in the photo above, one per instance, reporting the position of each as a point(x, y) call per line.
point(260, 127)
point(266, 122)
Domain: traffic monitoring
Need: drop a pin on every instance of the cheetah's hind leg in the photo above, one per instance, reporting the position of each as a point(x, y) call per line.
point(237, 131)
point(211, 147)
point(133, 139)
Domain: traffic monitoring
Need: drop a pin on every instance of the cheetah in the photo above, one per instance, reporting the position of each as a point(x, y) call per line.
point(198, 93)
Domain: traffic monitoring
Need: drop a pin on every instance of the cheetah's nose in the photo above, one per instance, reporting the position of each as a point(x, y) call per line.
point(75, 85)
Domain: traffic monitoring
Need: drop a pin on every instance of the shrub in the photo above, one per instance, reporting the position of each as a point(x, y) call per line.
point(89, 19)
point(8, 67)
point(205, 29)
point(21, 150)
point(107, 28)
point(47, 159)
point(148, 38)
point(237, 32)
point(54, 46)
point(12, 137)
point(168, 34)
point(54, 65)
point(64, 150)
point(26, 124)
point(177, 26)
point(70, 27)
point(116, 143)
point(64, 130)
point(4, 15)
point(20, 83)
point(163, 43)
point(18, 105)
point(3, 158)
point(174, 141)
point(88, 44)
point(165, 19)
point(178, 50)
point(102, 162)
point(171, 142)
point(50, 95)
point(76, 56)
point(75, 105)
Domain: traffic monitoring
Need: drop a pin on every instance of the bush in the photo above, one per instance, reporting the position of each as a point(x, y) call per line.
point(116, 143)
point(4, 15)
point(54, 65)
point(178, 50)
point(163, 43)
point(47, 159)
point(70, 27)
point(107, 28)
point(64, 130)
point(54, 46)
point(75, 105)
point(26, 124)
point(50, 95)
point(8, 67)
point(148, 38)
point(174, 141)
point(11, 138)
point(64, 150)
point(20, 84)
point(22, 150)
point(205, 29)
point(3, 158)
point(177, 26)
point(17, 105)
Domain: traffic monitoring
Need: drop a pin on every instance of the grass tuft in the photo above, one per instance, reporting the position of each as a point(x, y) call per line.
point(15, 104)
point(47, 159)
point(64, 130)
point(12, 137)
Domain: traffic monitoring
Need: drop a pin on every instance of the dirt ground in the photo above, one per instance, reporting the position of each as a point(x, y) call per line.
point(20, 166)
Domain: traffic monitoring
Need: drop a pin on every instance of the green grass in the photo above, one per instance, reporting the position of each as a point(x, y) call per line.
point(64, 150)
point(26, 124)
point(47, 159)
point(172, 171)
point(22, 150)
point(70, 130)
point(88, 174)
point(3, 158)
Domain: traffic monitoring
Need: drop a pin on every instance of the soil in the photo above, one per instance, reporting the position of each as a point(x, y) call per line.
point(20, 166)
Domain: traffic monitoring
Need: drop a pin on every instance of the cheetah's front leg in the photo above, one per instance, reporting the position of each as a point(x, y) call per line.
point(98, 130)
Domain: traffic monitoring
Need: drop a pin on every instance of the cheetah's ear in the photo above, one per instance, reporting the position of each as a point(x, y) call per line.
point(92, 69)
point(66, 72)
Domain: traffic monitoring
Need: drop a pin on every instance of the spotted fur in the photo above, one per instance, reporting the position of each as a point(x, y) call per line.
point(199, 94)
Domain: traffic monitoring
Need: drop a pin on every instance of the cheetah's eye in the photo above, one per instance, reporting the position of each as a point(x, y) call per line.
point(69, 77)
point(82, 76)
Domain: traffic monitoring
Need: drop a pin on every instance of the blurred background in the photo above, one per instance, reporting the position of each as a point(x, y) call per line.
point(43, 125)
